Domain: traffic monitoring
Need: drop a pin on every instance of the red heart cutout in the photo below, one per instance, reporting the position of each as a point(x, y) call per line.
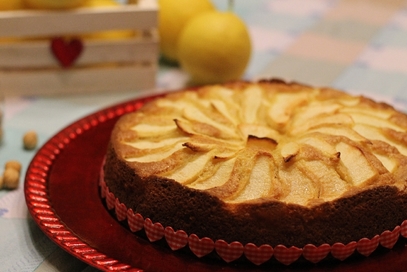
point(403, 229)
point(135, 220)
point(229, 252)
point(366, 246)
point(154, 231)
point(103, 187)
point(200, 247)
point(110, 199)
point(175, 239)
point(102, 182)
point(66, 51)
point(258, 255)
point(121, 210)
point(389, 238)
point(341, 251)
point(287, 255)
point(315, 254)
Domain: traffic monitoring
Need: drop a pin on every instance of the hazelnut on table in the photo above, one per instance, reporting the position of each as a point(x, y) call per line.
point(13, 164)
point(11, 175)
point(30, 140)
point(11, 178)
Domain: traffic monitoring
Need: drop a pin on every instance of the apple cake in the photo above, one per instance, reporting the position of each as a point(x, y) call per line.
point(264, 162)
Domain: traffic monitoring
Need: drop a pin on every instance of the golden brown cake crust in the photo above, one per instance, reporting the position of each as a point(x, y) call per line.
point(365, 214)
point(359, 212)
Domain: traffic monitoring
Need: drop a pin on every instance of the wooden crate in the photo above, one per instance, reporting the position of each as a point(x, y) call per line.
point(30, 67)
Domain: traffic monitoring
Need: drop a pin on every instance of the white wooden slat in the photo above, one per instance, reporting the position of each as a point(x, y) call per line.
point(82, 20)
point(95, 79)
point(29, 54)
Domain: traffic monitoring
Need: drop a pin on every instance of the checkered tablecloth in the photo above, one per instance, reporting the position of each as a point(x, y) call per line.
point(359, 46)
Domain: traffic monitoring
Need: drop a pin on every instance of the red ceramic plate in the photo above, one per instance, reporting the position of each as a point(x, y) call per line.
point(62, 195)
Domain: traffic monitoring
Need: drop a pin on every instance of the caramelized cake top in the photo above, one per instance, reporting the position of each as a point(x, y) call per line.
point(268, 140)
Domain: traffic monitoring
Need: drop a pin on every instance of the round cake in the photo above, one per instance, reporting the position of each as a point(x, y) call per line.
point(265, 162)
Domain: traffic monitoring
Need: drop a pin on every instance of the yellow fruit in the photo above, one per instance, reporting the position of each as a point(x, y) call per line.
point(109, 34)
point(11, 4)
point(10, 40)
point(53, 4)
point(214, 47)
point(173, 16)
point(112, 34)
point(99, 3)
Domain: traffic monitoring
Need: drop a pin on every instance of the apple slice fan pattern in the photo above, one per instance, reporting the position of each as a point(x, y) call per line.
point(66, 51)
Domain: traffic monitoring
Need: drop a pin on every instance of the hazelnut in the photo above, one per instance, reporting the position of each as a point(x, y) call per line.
point(30, 140)
point(13, 164)
point(11, 178)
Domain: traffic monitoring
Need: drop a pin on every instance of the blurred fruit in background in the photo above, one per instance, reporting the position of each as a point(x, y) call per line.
point(53, 4)
point(173, 16)
point(214, 47)
point(11, 4)
point(99, 3)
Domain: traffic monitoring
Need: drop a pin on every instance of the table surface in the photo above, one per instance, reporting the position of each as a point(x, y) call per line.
point(359, 46)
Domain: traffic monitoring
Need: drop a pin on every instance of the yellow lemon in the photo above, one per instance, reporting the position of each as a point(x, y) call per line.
point(53, 4)
point(214, 47)
point(109, 34)
point(112, 34)
point(11, 40)
point(11, 4)
point(173, 16)
point(99, 3)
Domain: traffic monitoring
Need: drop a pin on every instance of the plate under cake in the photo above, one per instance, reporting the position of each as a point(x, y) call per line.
point(265, 162)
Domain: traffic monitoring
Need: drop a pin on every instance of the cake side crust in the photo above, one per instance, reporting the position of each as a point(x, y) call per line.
point(363, 214)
